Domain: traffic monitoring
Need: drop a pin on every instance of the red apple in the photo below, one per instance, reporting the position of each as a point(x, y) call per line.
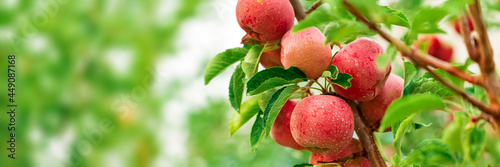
point(265, 20)
point(374, 110)
point(271, 58)
point(322, 124)
point(306, 50)
point(433, 46)
point(353, 147)
point(280, 131)
point(358, 59)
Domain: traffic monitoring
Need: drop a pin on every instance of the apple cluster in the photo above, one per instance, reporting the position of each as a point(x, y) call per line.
point(322, 124)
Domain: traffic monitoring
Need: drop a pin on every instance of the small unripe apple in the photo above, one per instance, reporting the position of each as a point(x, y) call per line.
point(306, 50)
point(374, 110)
point(353, 147)
point(271, 58)
point(280, 131)
point(433, 46)
point(358, 59)
point(322, 124)
point(265, 20)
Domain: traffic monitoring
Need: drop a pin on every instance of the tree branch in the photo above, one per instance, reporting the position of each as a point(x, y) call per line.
point(314, 6)
point(463, 24)
point(300, 13)
point(366, 137)
point(424, 61)
point(486, 61)
point(420, 57)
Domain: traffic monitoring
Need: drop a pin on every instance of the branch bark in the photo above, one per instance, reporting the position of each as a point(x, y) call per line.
point(314, 6)
point(300, 13)
point(366, 137)
point(486, 61)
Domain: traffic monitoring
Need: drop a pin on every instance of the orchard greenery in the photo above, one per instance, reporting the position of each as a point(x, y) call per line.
point(310, 98)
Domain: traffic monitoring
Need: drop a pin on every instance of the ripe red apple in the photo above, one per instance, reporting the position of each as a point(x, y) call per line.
point(353, 147)
point(266, 20)
point(271, 58)
point(433, 46)
point(374, 110)
point(322, 124)
point(306, 50)
point(280, 131)
point(358, 59)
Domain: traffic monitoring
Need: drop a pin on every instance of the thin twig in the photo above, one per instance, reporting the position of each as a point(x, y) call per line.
point(314, 6)
point(300, 13)
point(460, 92)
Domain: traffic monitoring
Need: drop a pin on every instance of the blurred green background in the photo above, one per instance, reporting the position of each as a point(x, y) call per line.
point(120, 83)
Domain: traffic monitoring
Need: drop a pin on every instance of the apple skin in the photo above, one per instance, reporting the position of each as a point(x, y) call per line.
point(266, 20)
point(374, 110)
point(358, 59)
point(306, 50)
point(271, 58)
point(322, 124)
point(280, 131)
point(433, 46)
point(353, 147)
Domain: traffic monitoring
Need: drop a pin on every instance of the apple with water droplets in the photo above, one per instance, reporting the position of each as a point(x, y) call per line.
point(322, 124)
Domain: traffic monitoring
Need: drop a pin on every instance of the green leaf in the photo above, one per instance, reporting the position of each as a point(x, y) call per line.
point(430, 85)
point(380, 14)
point(251, 61)
point(236, 88)
point(316, 18)
point(303, 165)
point(257, 131)
point(475, 142)
point(346, 30)
point(455, 7)
point(450, 78)
point(223, 60)
point(418, 126)
point(343, 80)
point(410, 72)
point(266, 96)
point(399, 130)
point(248, 109)
point(394, 17)
point(431, 152)
point(275, 104)
point(426, 21)
point(274, 77)
point(401, 108)
point(453, 133)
